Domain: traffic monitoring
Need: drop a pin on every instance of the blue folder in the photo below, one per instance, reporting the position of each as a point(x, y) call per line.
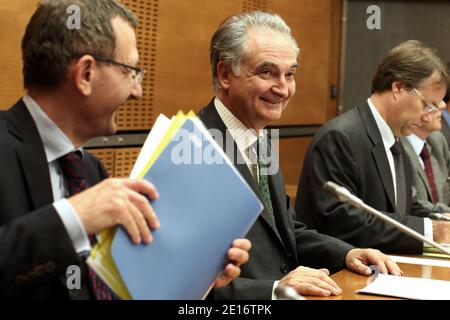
point(202, 208)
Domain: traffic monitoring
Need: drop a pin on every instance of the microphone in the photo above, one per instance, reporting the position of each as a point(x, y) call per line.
point(283, 292)
point(344, 195)
point(438, 216)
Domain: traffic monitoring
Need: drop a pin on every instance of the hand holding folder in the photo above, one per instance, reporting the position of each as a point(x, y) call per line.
point(202, 208)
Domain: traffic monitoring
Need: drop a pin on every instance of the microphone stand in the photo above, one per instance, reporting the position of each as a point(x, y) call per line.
point(344, 195)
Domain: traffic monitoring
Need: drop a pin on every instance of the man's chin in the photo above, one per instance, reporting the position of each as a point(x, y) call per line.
point(414, 126)
point(274, 114)
point(108, 131)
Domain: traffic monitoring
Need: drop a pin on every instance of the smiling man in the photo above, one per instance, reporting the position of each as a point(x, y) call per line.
point(360, 150)
point(254, 61)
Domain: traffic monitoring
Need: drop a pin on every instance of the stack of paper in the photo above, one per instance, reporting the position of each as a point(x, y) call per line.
point(435, 252)
point(421, 261)
point(204, 205)
point(409, 288)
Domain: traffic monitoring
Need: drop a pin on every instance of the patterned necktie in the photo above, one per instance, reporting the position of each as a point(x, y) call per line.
point(263, 181)
point(73, 170)
point(400, 178)
point(425, 155)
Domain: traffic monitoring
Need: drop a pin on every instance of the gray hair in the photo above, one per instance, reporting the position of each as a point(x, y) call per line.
point(229, 42)
point(49, 45)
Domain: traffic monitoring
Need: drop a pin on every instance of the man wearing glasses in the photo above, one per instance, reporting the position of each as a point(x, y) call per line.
point(55, 196)
point(428, 152)
point(360, 150)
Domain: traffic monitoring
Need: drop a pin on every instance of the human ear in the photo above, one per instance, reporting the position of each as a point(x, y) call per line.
point(83, 73)
point(396, 88)
point(224, 74)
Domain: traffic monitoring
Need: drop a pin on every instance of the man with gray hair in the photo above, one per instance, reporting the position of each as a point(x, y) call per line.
point(361, 151)
point(55, 196)
point(254, 61)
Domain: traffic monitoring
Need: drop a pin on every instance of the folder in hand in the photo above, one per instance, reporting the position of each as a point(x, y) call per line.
point(204, 205)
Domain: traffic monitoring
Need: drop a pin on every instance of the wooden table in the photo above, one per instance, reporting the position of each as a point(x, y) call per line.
point(349, 281)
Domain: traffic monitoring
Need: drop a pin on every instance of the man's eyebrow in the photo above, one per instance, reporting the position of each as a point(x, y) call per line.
point(267, 64)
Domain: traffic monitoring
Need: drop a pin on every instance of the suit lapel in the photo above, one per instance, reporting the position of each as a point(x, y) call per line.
point(31, 155)
point(422, 175)
point(445, 130)
point(212, 120)
point(378, 152)
point(279, 204)
point(417, 166)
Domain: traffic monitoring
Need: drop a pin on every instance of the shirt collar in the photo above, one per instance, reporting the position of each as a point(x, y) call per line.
point(244, 137)
point(386, 133)
point(56, 143)
point(416, 142)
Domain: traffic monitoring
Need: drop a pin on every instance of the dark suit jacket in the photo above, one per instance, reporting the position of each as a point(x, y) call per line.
point(349, 151)
point(440, 164)
point(35, 248)
point(276, 250)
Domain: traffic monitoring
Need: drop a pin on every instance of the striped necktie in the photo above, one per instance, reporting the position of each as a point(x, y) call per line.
point(74, 172)
point(425, 155)
point(263, 181)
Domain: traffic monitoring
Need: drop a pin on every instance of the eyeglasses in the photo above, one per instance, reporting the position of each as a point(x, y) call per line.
point(429, 107)
point(138, 73)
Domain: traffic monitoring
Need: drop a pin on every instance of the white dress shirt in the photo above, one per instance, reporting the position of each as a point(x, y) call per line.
point(417, 145)
point(56, 145)
point(388, 140)
point(244, 139)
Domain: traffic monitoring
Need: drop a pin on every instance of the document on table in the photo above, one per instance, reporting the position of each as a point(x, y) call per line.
point(435, 252)
point(421, 261)
point(409, 288)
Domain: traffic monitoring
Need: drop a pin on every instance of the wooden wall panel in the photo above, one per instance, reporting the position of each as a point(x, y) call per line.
point(13, 18)
point(124, 161)
point(173, 40)
point(292, 152)
point(107, 156)
point(183, 76)
point(335, 55)
point(117, 161)
point(138, 114)
point(314, 31)
point(252, 5)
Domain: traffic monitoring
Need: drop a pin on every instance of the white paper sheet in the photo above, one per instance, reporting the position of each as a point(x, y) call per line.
point(422, 261)
point(150, 144)
point(409, 288)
